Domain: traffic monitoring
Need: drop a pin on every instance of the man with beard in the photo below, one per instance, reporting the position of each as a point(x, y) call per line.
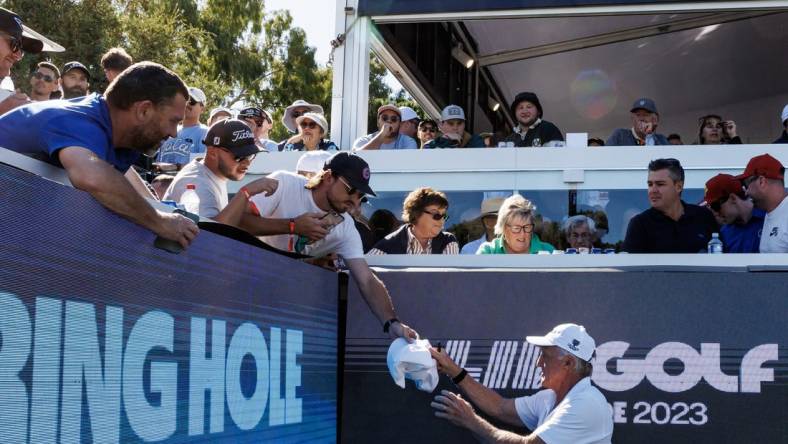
point(333, 193)
point(764, 183)
point(43, 81)
point(231, 149)
point(531, 130)
point(569, 409)
point(388, 136)
point(75, 80)
point(97, 139)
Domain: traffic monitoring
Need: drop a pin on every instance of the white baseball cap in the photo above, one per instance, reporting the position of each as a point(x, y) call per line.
point(570, 337)
point(313, 161)
point(407, 113)
point(452, 112)
point(197, 94)
point(784, 115)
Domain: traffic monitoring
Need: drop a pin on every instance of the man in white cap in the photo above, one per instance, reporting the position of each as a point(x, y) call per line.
point(453, 135)
point(410, 122)
point(15, 40)
point(568, 410)
point(296, 110)
point(218, 114)
point(178, 150)
point(784, 120)
point(489, 216)
point(311, 163)
point(388, 136)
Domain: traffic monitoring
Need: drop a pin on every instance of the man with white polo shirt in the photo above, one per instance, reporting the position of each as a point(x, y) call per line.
point(764, 183)
point(568, 410)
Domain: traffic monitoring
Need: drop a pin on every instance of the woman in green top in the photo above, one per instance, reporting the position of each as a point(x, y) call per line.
point(515, 230)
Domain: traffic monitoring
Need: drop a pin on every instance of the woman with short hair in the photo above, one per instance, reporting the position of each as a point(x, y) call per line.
point(712, 130)
point(580, 231)
point(515, 230)
point(424, 211)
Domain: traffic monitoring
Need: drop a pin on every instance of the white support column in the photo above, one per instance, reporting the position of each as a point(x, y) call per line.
point(350, 94)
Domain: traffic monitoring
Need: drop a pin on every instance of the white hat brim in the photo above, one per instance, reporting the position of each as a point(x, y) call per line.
point(541, 341)
point(49, 45)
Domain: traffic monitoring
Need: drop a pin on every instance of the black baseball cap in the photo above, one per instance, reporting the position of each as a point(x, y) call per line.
point(353, 168)
point(233, 135)
point(30, 41)
point(251, 111)
point(75, 65)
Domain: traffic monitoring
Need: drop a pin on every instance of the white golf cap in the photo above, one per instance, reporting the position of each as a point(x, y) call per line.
point(313, 161)
point(197, 94)
point(784, 115)
point(452, 112)
point(407, 113)
point(570, 337)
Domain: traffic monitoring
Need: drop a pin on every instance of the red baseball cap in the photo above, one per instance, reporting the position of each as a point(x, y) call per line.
point(763, 165)
point(721, 186)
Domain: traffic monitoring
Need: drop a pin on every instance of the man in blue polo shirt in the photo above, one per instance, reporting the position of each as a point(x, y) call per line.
point(97, 138)
point(741, 232)
point(670, 225)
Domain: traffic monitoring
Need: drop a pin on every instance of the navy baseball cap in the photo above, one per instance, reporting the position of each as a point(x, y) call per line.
point(646, 104)
point(30, 41)
point(353, 168)
point(233, 135)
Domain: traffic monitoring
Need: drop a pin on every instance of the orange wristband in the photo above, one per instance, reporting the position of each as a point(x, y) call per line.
point(252, 206)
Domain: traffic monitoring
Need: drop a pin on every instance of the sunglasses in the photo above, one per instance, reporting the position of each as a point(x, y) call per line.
point(45, 77)
point(390, 119)
point(14, 43)
point(193, 102)
point(297, 114)
point(748, 181)
point(717, 204)
point(528, 228)
point(310, 125)
point(239, 159)
point(350, 189)
point(437, 215)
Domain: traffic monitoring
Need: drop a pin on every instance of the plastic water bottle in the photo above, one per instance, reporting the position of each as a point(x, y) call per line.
point(715, 244)
point(190, 199)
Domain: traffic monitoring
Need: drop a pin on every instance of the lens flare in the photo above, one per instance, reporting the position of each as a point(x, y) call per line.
point(594, 94)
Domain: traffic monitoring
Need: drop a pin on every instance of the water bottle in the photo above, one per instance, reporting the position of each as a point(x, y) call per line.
point(190, 199)
point(715, 244)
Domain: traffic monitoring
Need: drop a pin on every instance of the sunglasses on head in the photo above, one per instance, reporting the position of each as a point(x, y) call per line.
point(14, 43)
point(311, 125)
point(45, 77)
point(437, 215)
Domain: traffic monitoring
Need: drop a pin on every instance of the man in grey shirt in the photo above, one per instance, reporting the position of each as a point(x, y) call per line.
point(388, 136)
point(645, 119)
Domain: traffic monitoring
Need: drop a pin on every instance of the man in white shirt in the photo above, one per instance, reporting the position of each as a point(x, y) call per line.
point(334, 192)
point(230, 150)
point(568, 410)
point(764, 183)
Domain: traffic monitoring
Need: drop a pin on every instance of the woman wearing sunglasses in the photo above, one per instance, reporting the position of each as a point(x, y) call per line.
point(425, 211)
point(515, 230)
point(312, 128)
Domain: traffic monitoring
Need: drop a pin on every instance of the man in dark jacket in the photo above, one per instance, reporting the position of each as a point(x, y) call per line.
point(645, 119)
point(452, 127)
point(531, 130)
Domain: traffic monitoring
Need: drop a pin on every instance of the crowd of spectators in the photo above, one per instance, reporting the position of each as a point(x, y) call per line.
point(147, 109)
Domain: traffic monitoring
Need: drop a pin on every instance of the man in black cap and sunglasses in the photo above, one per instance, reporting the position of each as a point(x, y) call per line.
point(230, 150)
point(15, 40)
point(332, 193)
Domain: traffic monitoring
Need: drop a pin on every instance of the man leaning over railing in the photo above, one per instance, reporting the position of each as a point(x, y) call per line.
point(98, 138)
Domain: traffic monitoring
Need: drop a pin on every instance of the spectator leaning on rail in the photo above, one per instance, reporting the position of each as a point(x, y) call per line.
point(452, 127)
point(742, 223)
point(297, 109)
point(114, 61)
point(645, 120)
point(488, 217)
point(312, 129)
point(515, 230)
point(334, 192)
point(230, 150)
point(670, 225)
point(425, 211)
point(44, 81)
point(410, 122)
point(15, 40)
point(388, 136)
point(580, 232)
point(764, 183)
point(712, 130)
point(191, 133)
point(97, 139)
point(784, 120)
point(569, 409)
point(531, 130)
point(75, 80)
point(428, 130)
